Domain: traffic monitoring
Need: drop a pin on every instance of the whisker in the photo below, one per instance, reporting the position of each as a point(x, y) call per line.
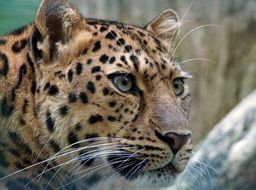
point(100, 154)
point(47, 142)
point(198, 172)
point(97, 168)
point(198, 59)
point(180, 23)
point(56, 131)
point(190, 5)
point(146, 163)
point(136, 167)
point(132, 156)
point(52, 168)
point(192, 174)
point(45, 171)
point(199, 27)
point(207, 165)
point(45, 161)
point(206, 170)
point(91, 140)
point(105, 152)
point(127, 164)
point(77, 150)
point(51, 177)
point(208, 174)
point(120, 154)
point(83, 148)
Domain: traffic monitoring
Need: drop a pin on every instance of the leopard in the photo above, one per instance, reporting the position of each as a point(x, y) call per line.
point(85, 100)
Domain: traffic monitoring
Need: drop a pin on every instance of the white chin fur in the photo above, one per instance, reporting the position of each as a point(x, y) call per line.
point(152, 181)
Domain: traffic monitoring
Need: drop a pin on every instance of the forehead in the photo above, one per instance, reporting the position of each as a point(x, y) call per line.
point(137, 36)
point(127, 47)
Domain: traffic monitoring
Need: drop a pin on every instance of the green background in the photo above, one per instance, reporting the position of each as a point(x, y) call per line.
point(15, 13)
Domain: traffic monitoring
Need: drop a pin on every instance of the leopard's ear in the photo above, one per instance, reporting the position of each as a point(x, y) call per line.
point(58, 21)
point(165, 26)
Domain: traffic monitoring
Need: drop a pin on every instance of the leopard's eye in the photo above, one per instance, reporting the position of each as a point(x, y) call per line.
point(123, 82)
point(178, 86)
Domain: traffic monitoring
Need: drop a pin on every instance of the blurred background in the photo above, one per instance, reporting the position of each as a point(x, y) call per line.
point(229, 41)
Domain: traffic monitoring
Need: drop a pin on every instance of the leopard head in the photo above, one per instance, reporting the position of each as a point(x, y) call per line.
point(110, 98)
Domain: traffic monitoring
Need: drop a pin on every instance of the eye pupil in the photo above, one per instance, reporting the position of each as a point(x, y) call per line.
point(178, 86)
point(125, 81)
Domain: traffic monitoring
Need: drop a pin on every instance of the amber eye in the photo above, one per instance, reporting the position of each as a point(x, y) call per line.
point(123, 82)
point(178, 86)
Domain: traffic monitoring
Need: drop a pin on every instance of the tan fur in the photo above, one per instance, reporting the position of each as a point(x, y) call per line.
point(52, 117)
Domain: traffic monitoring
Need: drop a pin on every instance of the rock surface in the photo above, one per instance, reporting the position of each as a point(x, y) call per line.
point(226, 160)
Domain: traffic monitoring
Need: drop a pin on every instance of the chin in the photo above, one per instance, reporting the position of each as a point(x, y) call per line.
point(158, 178)
point(136, 171)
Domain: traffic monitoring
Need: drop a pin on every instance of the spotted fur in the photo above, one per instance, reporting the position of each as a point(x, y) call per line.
point(62, 114)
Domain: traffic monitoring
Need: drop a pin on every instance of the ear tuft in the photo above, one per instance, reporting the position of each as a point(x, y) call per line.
point(165, 26)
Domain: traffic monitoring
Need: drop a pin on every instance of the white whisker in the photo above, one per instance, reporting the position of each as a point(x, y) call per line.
point(208, 166)
point(47, 160)
point(97, 155)
point(132, 155)
point(59, 165)
point(77, 150)
point(198, 59)
point(198, 172)
point(116, 152)
point(190, 5)
point(96, 169)
point(127, 164)
point(120, 154)
point(199, 27)
point(138, 167)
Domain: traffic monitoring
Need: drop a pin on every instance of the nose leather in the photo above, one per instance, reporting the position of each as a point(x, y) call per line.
point(176, 141)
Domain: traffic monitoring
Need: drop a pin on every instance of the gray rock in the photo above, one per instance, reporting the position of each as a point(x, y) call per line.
point(227, 157)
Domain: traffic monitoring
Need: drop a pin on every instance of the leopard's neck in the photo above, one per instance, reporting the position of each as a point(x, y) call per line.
point(18, 125)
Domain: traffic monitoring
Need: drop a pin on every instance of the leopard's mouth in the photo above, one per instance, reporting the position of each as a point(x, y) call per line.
point(132, 167)
point(169, 167)
point(127, 164)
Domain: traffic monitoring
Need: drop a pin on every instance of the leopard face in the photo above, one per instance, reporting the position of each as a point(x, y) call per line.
point(109, 97)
